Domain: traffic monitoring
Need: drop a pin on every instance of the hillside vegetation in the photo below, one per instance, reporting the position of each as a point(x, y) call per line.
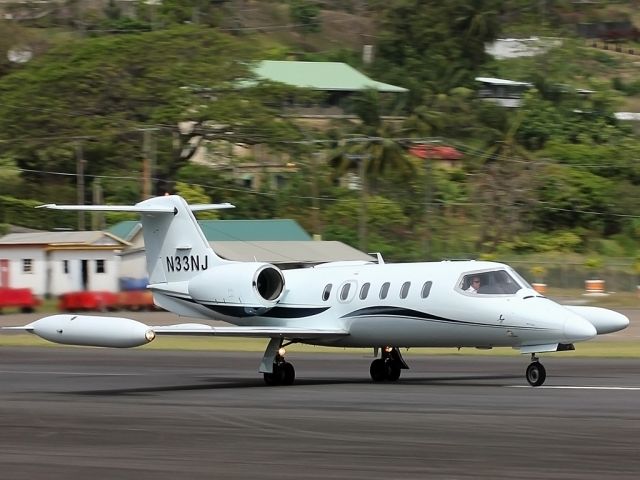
point(107, 88)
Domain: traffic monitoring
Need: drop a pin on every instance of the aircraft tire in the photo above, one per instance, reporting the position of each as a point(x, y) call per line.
point(536, 374)
point(392, 370)
point(378, 370)
point(288, 373)
point(275, 378)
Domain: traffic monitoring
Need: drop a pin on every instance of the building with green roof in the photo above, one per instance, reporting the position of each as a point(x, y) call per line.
point(324, 76)
point(338, 80)
point(280, 241)
point(254, 165)
point(226, 230)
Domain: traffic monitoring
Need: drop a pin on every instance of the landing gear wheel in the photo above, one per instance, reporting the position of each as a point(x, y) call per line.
point(536, 374)
point(392, 370)
point(283, 374)
point(384, 369)
point(288, 373)
point(378, 370)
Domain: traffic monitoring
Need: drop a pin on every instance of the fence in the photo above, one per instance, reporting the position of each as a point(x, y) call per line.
point(618, 274)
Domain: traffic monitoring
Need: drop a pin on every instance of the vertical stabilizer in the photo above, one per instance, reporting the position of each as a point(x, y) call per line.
point(176, 248)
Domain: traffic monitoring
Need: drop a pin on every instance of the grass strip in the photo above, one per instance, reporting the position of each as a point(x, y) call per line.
point(595, 349)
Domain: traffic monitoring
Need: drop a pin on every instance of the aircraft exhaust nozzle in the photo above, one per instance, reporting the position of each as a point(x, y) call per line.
point(93, 331)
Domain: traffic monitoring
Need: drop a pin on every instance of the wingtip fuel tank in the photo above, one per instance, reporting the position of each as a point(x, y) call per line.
point(92, 331)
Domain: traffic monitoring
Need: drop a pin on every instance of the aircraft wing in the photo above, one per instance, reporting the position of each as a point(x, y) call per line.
point(88, 330)
point(259, 332)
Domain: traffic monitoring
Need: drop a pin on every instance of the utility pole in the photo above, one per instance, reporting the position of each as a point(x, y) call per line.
point(148, 163)
point(315, 192)
point(428, 195)
point(362, 220)
point(80, 163)
point(97, 218)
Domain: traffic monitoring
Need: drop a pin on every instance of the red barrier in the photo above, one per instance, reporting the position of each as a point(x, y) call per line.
point(106, 301)
point(98, 301)
point(136, 300)
point(21, 298)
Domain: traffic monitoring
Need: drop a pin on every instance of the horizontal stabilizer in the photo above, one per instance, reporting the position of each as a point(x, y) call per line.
point(139, 208)
point(259, 332)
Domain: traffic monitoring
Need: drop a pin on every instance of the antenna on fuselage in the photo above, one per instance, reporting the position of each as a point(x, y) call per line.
point(378, 256)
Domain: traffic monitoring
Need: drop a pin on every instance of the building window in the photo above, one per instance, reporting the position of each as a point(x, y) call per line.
point(27, 265)
point(100, 266)
point(384, 290)
point(426, 288)
point(327, 292)
point(65, 266)
point(364, 291)
point(404, 291)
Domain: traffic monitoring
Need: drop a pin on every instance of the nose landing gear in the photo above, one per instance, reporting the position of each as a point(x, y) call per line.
point(536, 373)
point(388, 367)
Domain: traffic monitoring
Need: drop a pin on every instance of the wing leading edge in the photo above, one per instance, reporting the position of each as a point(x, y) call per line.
point(198, 329)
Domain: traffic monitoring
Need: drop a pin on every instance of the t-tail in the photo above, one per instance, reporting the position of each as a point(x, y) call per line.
point(176, 248)
point(185, 274)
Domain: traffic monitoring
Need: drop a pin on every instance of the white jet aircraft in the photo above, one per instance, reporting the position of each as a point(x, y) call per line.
point(341, 304)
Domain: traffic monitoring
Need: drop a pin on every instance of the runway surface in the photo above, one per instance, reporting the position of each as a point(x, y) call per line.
point(94, 414)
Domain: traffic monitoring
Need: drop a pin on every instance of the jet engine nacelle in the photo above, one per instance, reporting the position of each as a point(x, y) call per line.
point(92, 331)
point(250, 285)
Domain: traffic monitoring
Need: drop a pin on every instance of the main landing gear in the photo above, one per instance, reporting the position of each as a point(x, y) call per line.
point(536, 373)
point(276, 370)
point(283, 373)
point(388, 367)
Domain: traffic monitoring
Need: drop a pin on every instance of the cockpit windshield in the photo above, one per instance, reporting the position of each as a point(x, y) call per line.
point(494, 282)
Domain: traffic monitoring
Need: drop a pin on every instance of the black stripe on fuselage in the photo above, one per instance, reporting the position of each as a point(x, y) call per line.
point(275, 312)
point(241, 312)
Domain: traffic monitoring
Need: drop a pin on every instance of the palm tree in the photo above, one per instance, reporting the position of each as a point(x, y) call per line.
point(505, 185)
point(477, 21)
point(373, 152)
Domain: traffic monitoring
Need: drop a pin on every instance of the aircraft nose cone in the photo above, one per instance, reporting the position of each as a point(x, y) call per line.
point(577, 329)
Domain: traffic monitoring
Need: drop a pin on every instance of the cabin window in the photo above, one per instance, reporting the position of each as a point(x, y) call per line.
point(426, 289)
point(100, 266)
point(344, 293)
point(27, 265)
point(327, 292)
point(404, 290)
point(384, 290)
point(65, 266)
point(364, 291)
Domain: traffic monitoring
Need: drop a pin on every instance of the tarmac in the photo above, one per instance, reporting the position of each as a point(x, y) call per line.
point(83, 413)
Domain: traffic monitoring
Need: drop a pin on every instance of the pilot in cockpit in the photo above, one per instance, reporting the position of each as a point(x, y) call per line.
point(474, 285)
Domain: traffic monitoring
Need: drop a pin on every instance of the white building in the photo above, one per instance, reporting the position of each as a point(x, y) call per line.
point(53, 263)
point(506, 93)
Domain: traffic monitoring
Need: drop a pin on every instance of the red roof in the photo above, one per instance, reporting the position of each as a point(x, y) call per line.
point(438, 152)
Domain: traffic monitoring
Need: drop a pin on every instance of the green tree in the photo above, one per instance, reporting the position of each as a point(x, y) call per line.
point(420, 36)
point(305, 13)
point(386, 223)
point(100, 93)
